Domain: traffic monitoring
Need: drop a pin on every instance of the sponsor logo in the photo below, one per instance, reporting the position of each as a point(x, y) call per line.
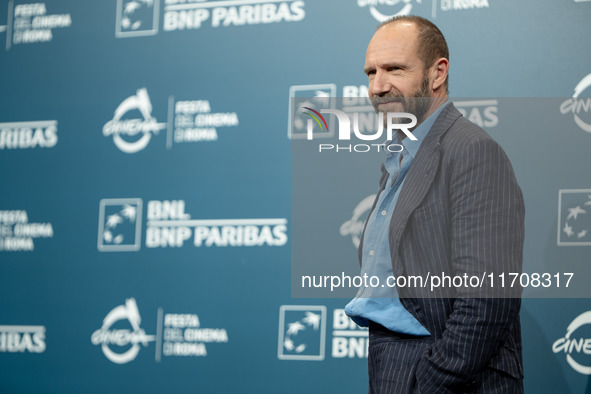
point(448, 5)
point(184, 336)
point(22, 339)
point(194, 121)
point(382, 10)
point(132, 135)
point(320, 95)
point(458, 5)
point(141, 17)
point(302, 334)
point(120, 223)
point(574, 217)
point(483, 113)
point(137, 18)
point(180, 16)
point(574, 346)
point(354, 98)
point(169, 226)
point(122, 338)
point(31, 23)
point(188, 121)
point(348, 339)
point(18, 234)
point(28, 135)
point(579, 106)
point(354, 226)
point(178, 334)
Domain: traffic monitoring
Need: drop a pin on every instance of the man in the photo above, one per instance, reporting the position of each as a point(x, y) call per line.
point(448, 204)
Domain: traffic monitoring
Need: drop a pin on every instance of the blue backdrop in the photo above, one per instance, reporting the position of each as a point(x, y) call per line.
point(145, 197)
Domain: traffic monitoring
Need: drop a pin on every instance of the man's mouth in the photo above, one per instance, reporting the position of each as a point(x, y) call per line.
point(386, 100)
point(389, 103)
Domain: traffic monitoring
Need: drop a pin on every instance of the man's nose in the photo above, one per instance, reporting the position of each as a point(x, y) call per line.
point(380, 85)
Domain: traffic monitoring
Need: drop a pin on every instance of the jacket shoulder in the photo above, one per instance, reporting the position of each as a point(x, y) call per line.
point(463, 131)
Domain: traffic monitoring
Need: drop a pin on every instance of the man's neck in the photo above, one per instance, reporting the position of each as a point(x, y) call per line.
point(434, 103)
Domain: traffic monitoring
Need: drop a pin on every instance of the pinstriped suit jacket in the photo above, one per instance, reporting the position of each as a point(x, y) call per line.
point(460, 211)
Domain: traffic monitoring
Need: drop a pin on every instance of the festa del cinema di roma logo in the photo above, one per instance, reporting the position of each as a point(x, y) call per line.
point(399, 7)
point(178, 335)
point(112, 339)
point(382, 10)
point(132, 134)
point(571, 345)
point(354, 226)
point(577, 104)
point(189, 121)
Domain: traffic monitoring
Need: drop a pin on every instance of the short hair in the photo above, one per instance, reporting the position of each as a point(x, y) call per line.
point(431, 42)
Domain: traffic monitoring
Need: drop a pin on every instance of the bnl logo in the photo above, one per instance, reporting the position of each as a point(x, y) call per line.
point(302, 332)
point(314, 96)
point(137, 18)
point(120, 223)
point(574, 217)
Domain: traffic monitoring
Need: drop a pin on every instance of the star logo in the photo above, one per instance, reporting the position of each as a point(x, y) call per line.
point(119, 225)
point(302, 331)
point(574, 217)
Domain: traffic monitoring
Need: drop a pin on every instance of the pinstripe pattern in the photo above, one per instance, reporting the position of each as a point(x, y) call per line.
point(460, 211)
point(393, 359)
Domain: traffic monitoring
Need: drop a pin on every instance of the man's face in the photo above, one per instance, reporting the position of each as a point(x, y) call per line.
point(395, 71)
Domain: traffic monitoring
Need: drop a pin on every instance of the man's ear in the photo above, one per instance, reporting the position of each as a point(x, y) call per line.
point(438, 73)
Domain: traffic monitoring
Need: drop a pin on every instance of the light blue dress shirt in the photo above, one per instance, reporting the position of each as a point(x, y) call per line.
point(381, 304)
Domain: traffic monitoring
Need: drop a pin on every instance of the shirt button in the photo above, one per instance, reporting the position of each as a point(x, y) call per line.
point(371, 252)
point(384, 212)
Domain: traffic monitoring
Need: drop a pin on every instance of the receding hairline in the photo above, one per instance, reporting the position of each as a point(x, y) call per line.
point(412, 19)
point(395, 21)
point(393, 24)
point(422, 26)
